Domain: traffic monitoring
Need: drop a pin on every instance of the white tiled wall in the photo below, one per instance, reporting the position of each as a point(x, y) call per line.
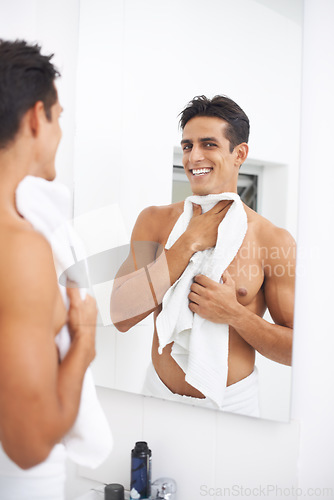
point(203, 450)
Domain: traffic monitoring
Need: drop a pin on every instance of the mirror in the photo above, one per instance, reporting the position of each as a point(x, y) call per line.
point(139, 64)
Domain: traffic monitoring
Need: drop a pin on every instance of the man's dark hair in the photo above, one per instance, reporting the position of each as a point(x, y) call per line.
point(222, 107)
point(26, 76)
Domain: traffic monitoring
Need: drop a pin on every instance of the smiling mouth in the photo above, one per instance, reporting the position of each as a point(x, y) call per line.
point(200, 171)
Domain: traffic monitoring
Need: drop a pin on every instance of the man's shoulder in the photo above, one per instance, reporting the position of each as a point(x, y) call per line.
point(21, 239)
point(26, 262)
point(269, 236)
point(155, 222)
point(163, 211)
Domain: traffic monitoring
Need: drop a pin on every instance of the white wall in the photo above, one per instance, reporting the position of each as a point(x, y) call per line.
point(54, 25)
point(313, 394)
point(196, 447)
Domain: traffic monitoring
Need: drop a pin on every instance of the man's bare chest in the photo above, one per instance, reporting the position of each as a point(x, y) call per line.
point(246, 268)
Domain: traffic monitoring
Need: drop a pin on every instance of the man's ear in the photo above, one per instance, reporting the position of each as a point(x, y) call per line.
point(241, 153)
point(35, 117)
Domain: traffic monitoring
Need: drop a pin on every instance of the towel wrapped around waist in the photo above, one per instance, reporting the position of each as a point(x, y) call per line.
point(241, 397)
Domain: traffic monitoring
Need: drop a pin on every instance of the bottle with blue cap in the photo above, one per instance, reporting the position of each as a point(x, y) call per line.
point(141, 460)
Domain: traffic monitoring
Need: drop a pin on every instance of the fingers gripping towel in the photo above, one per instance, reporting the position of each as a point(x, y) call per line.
point(201, 347)
point(47, 206)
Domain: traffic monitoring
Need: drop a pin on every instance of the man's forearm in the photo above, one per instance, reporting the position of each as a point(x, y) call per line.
point(179, 255)
point(270, 340)
point(140, 293)
point(133, 297)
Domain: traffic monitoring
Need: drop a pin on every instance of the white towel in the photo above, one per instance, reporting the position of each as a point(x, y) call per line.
point(45, 481)
point(47, 206)
point(200, 346)
point(241, 397)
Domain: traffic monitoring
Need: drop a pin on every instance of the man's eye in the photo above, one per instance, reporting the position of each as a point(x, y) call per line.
point(210, 144)
point(186, 147)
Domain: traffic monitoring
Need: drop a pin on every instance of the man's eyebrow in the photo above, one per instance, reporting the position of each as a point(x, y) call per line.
point(202, 139)
point(208, 139)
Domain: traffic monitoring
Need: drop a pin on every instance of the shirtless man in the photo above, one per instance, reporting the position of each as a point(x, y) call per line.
point(39, 396)
point(214, 143)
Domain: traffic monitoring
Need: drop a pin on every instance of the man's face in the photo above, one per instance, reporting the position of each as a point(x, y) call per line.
point(207, 161)
point(51, 135)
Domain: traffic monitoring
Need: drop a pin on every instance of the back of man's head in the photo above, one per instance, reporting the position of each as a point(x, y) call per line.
point(221, 107)
point(26, 77)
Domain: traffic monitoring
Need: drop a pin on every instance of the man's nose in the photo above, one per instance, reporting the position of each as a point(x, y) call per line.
point(196, 154)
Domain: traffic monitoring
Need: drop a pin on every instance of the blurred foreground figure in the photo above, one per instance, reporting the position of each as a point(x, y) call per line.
point(47, 339)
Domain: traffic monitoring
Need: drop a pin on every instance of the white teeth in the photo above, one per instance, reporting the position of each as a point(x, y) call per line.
point(200, 171)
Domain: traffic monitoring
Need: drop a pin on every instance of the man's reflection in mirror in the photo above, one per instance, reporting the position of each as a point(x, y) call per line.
point(208, 268)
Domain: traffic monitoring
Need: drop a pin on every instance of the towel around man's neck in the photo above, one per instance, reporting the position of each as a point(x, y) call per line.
point(201, 347)
point(47, 206)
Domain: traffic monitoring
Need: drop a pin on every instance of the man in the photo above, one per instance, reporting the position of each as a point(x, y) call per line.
point(39, 395)
point(260, 276)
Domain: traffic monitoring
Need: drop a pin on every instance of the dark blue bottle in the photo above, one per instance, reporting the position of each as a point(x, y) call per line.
point(140, 472)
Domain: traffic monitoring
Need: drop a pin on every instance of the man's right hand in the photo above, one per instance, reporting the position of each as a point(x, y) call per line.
point(81, 321)
point(202, 228)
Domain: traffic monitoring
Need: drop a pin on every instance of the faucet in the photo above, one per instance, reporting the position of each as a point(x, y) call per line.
point(164, 488)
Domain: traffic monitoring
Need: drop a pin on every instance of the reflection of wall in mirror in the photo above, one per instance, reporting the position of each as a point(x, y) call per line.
point(159, 68)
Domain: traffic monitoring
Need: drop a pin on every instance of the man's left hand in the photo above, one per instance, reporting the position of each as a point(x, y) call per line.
point(216, 302)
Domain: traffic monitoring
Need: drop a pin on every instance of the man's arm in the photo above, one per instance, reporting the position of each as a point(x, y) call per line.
point(39, 398)
point(150, 269)
point(132, 297)
point(218, 303)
